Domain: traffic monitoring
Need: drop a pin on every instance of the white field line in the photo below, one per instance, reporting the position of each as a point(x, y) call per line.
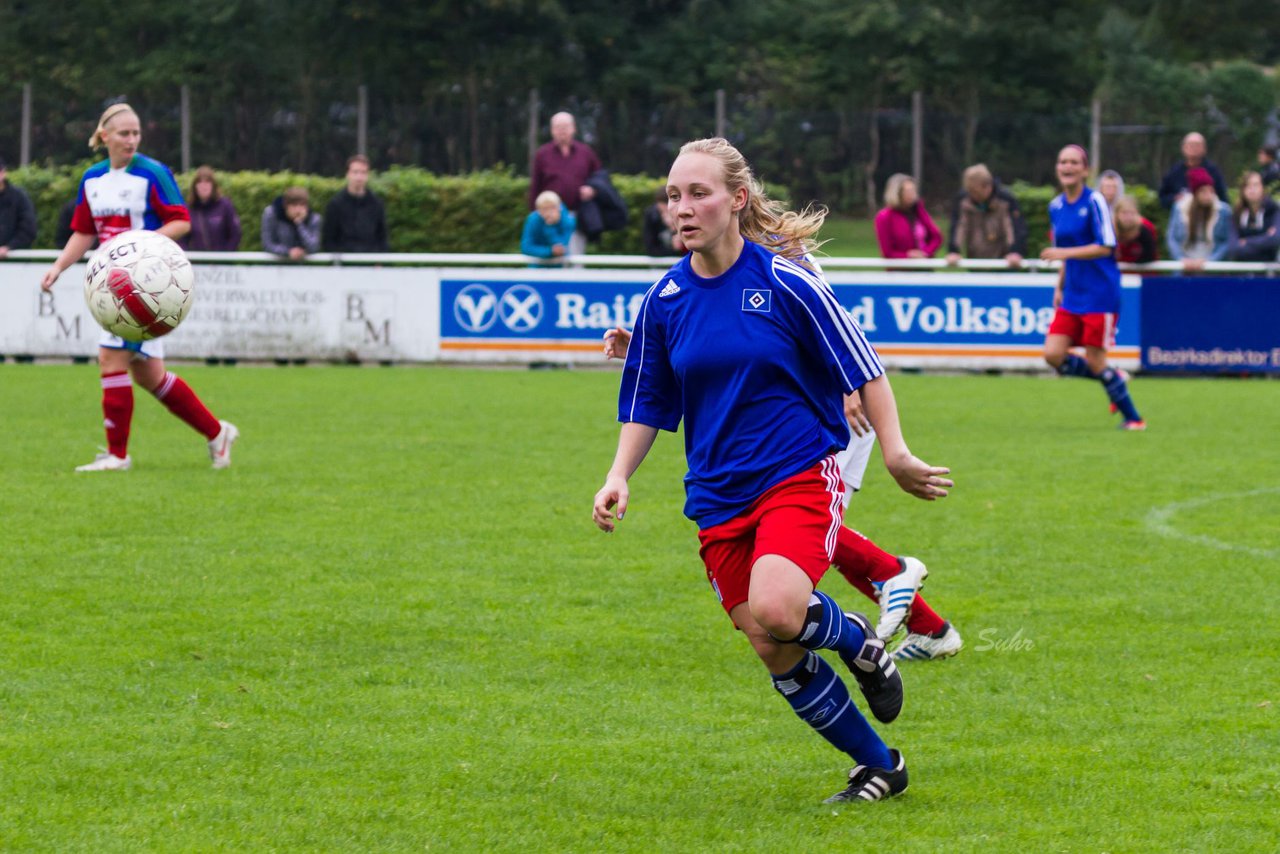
point(1159, 521)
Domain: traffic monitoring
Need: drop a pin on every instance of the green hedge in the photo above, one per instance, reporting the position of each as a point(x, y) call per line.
point(480, 212)
point(1035, 208)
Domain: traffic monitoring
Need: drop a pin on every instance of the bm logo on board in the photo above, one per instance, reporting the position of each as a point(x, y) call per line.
point(477, 308)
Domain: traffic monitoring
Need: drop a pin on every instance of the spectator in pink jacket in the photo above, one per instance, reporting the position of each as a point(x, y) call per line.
point(903, 227)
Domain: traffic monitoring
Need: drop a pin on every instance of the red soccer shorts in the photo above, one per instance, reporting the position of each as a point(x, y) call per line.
point(1097, 329)
point(797, 519)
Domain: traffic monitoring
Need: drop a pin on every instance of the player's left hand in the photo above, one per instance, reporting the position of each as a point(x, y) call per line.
point(856, 415)
point(920, 479)
point(616, 342)
point(1052, 253)
point(613, 493)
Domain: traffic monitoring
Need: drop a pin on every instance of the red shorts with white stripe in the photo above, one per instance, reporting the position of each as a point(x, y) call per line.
point(1086, 330)
point(797, 519)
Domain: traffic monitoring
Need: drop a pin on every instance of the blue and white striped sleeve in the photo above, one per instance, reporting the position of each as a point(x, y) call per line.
point(1104, 230)
point(831, 334)
point(649, 394)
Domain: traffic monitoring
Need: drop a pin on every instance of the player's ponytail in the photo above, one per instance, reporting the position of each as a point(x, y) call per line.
point(95, 140)
point(764, 220)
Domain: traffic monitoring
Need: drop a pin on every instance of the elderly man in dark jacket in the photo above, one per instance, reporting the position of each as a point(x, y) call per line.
point(1174, 183)
point(17, 215)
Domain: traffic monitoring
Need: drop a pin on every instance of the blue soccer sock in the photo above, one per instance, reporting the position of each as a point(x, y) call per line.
point(826, 627)
point(1118, 390)
point(821, 699)
point(1075, 366)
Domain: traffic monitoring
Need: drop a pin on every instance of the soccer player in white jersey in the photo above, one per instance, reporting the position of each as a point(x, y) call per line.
point(751, 350)
point(130, 191)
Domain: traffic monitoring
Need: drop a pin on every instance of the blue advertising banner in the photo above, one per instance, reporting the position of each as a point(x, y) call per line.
point(1211, 325)
point(971, 319)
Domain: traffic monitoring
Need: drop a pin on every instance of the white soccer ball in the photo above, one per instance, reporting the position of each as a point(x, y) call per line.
point(139, 285)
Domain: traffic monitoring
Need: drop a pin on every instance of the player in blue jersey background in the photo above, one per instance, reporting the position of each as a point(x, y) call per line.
point(750, 349)
point(1087, 299)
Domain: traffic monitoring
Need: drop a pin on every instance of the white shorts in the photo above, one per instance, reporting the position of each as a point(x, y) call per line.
point(853, 462)
point(153, 349)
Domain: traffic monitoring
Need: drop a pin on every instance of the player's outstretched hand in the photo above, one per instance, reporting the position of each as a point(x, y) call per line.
point(920, 479)
point(51, 275)
point(616, 341)
point(613, 493)
point(856, 415)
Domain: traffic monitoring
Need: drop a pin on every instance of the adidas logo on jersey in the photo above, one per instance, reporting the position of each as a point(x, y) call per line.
point(670, 288)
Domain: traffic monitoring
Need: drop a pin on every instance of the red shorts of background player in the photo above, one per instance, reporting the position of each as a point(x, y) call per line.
point(1096, 329)
point(797, 519)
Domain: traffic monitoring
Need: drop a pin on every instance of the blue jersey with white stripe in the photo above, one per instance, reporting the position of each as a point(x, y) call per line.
point(1091, 286)
point(755, 361)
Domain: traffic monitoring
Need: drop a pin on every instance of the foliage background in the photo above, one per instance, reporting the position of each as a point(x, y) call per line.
point(817, 91)
point(479, 212)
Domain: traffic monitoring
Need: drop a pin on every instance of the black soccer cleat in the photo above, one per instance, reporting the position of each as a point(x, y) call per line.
point(877, 675)
point(874, 784)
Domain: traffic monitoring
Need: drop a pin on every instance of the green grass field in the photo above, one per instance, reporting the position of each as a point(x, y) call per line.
point(391, 626)
point(847, 237)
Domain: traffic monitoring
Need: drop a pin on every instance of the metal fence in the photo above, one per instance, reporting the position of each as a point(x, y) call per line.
point(837, 154)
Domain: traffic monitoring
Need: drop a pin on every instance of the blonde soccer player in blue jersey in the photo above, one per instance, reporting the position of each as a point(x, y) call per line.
point(750, 349)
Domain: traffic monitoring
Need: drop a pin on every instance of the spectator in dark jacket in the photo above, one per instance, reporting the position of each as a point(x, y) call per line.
point(986, 221)
point(17, 215)
point(290, 228)
point(215, 225)
point(1174, 185)
point(658, 230)
point(355, 221)
point(1256, 237)
point(1269, 168)
point(563, 166)
point(606, 210)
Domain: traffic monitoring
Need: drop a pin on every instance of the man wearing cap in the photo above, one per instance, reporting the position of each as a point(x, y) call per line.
point(1193, 157)
point(17, 216)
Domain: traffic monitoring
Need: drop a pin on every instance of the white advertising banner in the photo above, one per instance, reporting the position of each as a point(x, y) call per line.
point(245, 311)
point(406, 313)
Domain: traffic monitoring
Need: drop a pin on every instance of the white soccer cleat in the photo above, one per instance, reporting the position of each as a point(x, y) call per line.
point(927, 647)
point(108, 462)
point(897, 595)
point(220, 447)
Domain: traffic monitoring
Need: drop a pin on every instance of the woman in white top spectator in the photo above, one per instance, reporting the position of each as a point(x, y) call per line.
point(1200, 227)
